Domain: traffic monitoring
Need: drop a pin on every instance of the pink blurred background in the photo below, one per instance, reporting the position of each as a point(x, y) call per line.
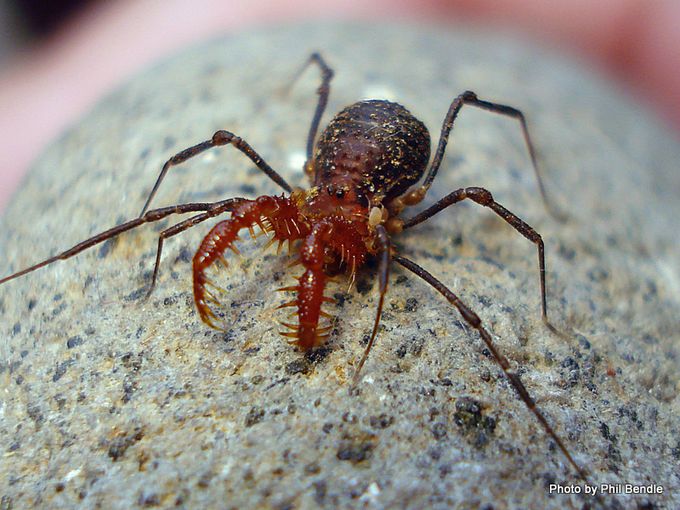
point(58, 58)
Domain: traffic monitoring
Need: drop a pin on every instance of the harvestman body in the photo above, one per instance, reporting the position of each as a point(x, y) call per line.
point(364, 170)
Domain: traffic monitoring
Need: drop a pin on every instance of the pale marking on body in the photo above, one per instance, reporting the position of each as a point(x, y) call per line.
point(375, 217)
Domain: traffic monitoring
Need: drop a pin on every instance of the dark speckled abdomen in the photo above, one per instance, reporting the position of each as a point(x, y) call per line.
point(377, 146)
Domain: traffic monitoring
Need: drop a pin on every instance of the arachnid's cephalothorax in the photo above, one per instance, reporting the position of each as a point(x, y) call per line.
point(364, 171)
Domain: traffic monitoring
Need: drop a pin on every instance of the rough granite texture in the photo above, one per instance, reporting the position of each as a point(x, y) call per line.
point(112, 401)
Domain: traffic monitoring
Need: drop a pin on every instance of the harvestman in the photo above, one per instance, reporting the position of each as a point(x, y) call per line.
point(364, 170)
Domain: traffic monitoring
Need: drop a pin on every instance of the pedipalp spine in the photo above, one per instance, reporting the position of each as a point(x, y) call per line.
point(270, 214)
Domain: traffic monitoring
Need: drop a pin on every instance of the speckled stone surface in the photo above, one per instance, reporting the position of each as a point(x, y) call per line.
point(112, 401)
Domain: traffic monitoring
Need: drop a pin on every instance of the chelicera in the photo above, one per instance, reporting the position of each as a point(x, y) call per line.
point(364, 171)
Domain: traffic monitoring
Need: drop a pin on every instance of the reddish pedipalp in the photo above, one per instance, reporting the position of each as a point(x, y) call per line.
point(271, 214)
point(333, 243)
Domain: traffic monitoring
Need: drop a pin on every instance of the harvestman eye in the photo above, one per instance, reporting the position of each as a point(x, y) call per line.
point(371, 158)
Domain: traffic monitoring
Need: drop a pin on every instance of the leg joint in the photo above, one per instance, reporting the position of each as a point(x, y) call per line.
point(470, 317)
point(223, 137)
point(480, 195)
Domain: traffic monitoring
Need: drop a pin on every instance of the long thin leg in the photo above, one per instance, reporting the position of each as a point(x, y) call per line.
point(169, 232)
point(383, 275)
point(473, 320)
point(220, 138)
point(470, 98)
point(323, 91)
point(483, 197)
point(214, 209)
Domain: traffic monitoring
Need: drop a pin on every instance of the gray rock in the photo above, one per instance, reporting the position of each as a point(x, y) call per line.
point(113, 401)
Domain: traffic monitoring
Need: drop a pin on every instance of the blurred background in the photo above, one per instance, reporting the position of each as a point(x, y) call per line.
point(58, 58)
point(24, 22)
